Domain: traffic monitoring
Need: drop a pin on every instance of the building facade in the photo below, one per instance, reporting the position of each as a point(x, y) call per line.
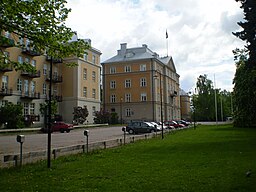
point(32, 89)
point(185, 105)
point(137, 83)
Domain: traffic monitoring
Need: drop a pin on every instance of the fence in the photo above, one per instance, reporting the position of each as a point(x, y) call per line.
point(31, 157)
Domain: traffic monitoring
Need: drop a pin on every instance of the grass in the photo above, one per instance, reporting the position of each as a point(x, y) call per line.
point(209, 158)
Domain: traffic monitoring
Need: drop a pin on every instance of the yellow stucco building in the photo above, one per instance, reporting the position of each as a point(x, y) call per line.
point(134, 81)
point(71, 87)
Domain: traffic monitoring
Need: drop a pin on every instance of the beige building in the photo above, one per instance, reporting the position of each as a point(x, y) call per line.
point(70, 87)
point(135, 80)
point(185, 105)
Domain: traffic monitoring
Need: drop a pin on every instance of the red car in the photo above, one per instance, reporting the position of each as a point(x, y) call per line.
point(173, 124)
point(60, 126)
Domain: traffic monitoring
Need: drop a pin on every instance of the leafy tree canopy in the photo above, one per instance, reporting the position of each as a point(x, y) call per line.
point(43, 23)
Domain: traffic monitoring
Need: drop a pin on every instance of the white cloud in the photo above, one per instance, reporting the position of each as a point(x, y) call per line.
point(200, 32)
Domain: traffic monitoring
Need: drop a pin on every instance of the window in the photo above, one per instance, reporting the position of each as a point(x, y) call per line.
point(127, 69)
point(94, 59)
point(25, 108)
point(55, 90)
point(4, 82)
point(85, 91)
point(6, 54)
point(128, 97)
point(33, 87)
point(128, 112)
point(32, 108)
point(127, 83)
point(93, 110)
point(45, 69)
point(113, 98)
point(143, 67)
point(94, 93)
point(94, 76)
point(20, 59)
point(21, 41)
point(27, 60)
point(8, 34)
point(85, 56)
point(3, 103)
point(143, 82)
point(143, 97)
point(85, 73)
point(112, 84)
point(33, 63)
point(26, 87)
point(112, 70)
point(19, 85)
point(44, 89)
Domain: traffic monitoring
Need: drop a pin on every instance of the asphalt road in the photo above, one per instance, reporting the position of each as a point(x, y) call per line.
point(38, 141)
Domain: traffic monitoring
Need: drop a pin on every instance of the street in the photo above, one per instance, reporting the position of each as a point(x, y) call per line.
point(38, 141)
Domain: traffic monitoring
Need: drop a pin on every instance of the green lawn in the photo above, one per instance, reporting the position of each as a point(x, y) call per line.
point(209, 158)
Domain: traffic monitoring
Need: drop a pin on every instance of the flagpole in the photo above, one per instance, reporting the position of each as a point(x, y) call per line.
point(166, 41)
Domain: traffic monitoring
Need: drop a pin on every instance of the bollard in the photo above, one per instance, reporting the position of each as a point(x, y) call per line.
point(20, 139)
point(86, 133)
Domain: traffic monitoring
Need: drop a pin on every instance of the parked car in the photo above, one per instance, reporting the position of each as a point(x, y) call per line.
point(183, 122)
point(140, 127)
point(174, 124)
point(60, 126)
point(158, 127)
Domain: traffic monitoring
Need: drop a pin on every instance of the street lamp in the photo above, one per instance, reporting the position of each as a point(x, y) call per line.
point(161, 102)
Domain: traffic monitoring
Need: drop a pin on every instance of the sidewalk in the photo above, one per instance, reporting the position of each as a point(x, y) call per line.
point(38, 129)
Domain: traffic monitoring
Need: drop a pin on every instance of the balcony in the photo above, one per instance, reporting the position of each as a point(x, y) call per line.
point(54, 60)
point(35, 74)
point(5, 68)
point(31, 118)
point(30, 51)
point(55, 78)
point(6, 42)
point(28, 95)
point(58, 98)
point(5, 92)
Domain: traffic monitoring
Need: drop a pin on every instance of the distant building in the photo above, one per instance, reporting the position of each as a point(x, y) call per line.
point(131, 85)
point(185, 105)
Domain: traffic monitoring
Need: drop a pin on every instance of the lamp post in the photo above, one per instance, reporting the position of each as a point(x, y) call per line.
point(161, 103)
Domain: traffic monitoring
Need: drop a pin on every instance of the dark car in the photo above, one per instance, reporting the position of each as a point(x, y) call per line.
point(60, 126)
point(140, 127)
point(183, 122)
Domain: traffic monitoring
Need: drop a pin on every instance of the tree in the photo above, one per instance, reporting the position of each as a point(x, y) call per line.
point(102, 116)
point(43, 23)
point(245, 76)
point(11, 116)
point(80, 114)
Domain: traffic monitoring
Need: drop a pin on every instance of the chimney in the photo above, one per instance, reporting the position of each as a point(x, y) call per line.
point(123, 49)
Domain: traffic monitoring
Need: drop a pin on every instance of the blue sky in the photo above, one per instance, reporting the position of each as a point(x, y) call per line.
point(200, 32)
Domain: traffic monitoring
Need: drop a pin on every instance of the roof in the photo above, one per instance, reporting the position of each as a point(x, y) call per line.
point(138, 53)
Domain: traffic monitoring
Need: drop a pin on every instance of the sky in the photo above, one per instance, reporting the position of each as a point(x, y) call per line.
point(200, 38)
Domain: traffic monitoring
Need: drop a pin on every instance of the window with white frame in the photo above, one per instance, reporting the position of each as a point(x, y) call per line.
point(26, 108)
point(128, 112)
point(94, 76)
point(4, 82)
point(112, 84)
point(143, 67)
point(20, 59)
point(128, 97)
point(32, 108)
point(26, 88)
point(127, 68)
point(143, 82)
point(94, 93)
point(85, 91)
point(128, 83)
point(7, 34)
point(19, 85)
point(21, 41)
point(85, 56)
point(44, 89)
point(27, 60)
point(85, 73)
point(55, 90)
point(33, 63)
point(7, 55)
point(45, 69)
point(113, 98)
point(33, 87)
point(112, 70)
point(143, 96)
point(94, 59)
